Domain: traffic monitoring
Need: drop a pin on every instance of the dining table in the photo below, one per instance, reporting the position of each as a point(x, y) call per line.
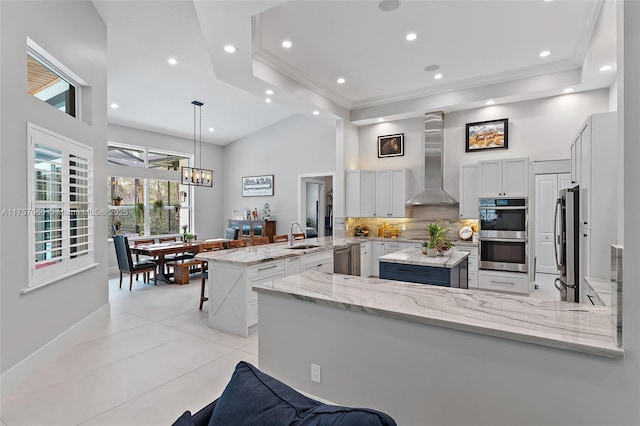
point(160, 250)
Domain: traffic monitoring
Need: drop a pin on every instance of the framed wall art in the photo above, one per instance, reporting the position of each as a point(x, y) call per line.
point(493, 134)
point(391, 145)
point(257, 186)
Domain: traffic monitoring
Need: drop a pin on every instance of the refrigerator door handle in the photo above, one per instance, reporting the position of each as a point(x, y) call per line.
point(557, 237)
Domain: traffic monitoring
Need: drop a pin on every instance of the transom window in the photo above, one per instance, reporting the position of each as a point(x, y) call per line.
point(50, 85)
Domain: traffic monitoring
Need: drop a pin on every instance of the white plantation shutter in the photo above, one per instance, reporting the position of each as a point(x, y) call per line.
point(60, 205)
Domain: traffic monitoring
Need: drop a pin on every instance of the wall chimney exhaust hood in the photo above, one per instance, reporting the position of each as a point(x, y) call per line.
point(433, 194)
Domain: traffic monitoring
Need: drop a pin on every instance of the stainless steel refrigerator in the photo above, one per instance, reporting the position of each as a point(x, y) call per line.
point(567, 243)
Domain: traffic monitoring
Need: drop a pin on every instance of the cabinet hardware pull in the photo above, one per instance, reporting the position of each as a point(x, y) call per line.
point(586, 235)
point(501, 282)
point(269, 267)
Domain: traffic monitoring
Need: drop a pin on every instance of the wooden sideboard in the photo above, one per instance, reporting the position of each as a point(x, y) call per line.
point(254, 228)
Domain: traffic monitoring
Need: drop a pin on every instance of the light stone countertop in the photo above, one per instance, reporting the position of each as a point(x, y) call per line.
point(414, 256)
point(415, 240)
point(556, 324)
point(266, 253)
point(601, 287)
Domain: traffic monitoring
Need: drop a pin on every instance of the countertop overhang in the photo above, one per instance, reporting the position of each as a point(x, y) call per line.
point(563, 325)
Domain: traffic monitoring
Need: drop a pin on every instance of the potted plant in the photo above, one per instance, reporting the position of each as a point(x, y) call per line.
point(435, 232)
point(158, 205)
point(117, 200)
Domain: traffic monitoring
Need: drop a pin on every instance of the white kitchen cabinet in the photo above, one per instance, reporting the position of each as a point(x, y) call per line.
point(352, 193)
point(376, 193)
point(473, 263)
point(377, 250)
point(469, 191)
point(574, 160)
point(393, 246)
point(322, 262)
point(292, 266)
point(368, 193)
point(413, 245)
point(504, 178)
point(596, 164)
point(511, 282)
point(365, 259)
point(585, 262)
point(391, 193)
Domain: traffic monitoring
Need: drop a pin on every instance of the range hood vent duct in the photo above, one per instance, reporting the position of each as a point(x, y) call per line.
point(434, 193)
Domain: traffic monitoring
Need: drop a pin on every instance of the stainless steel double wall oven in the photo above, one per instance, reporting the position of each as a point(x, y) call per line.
point(504, 243)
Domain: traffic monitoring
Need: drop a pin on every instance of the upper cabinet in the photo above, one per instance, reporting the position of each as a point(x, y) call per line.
point(469, 191)
point(503, 178)
point(376, 193)
point(391, 193)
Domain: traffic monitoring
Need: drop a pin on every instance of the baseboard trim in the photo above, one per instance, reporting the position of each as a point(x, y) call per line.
point(13, 377)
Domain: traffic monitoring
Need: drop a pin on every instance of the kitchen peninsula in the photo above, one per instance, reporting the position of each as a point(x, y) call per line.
point(233, 306)
point(350, 326)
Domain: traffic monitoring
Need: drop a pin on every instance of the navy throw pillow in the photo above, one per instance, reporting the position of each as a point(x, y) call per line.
point(184, 420)
point(255, 398)
point(332, 415)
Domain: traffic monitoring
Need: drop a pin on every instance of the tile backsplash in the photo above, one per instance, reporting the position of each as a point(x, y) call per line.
point(416, 224)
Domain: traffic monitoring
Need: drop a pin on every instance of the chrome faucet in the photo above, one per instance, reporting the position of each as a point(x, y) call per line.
point(291, 232)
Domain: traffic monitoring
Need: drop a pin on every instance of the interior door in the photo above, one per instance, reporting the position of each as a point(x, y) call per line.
point(546, 187)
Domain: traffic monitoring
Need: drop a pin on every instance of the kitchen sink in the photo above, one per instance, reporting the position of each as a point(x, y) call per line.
point(303, 247)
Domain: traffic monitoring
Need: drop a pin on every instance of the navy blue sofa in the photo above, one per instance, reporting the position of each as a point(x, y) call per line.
point(253, 398)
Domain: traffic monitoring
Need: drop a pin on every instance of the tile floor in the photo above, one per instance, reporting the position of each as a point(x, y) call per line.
point(154, 358)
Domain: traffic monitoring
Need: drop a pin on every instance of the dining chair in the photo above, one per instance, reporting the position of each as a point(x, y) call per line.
point(205, 247)
point(237, 243)
point(231, 234)
point(126, 265)
point(137, 243)
point(280, 238)
point(300, 236)
point(259, 241)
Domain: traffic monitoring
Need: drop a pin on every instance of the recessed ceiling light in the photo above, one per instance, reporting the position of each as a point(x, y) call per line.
point(316, 112)
point(211, 129)
point(114, 106)
point(432, 67)
point(172, 61)
point(380, 120)
point(286, 44)
point(388, 5)
point(341, 80)
point(437, 76)
point(268, 100)
point(230, 48)
point(411, 36)
point(568, 90)
point(605, 68)
point(491, 102)
point(270, 92)
point(544, 53)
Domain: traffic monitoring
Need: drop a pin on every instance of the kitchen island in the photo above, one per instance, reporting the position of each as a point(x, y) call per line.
point(450, 353)
point(233, 306)
point(411, 265)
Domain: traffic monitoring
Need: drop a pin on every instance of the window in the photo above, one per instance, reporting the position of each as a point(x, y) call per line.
point(48, 84)
point(150, 200)
point(60, 203)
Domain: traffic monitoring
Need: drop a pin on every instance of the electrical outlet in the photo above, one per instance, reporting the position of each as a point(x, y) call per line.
point(315, 373)
point(404, 227)
point(347, 226)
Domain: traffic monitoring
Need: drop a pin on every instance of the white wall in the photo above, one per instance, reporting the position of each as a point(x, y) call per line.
point(208, 214)
point(539, 129)
point(73, 32)
point(293, 146)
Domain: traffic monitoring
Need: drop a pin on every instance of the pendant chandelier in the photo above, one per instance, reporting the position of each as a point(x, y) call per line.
point(196, 176)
